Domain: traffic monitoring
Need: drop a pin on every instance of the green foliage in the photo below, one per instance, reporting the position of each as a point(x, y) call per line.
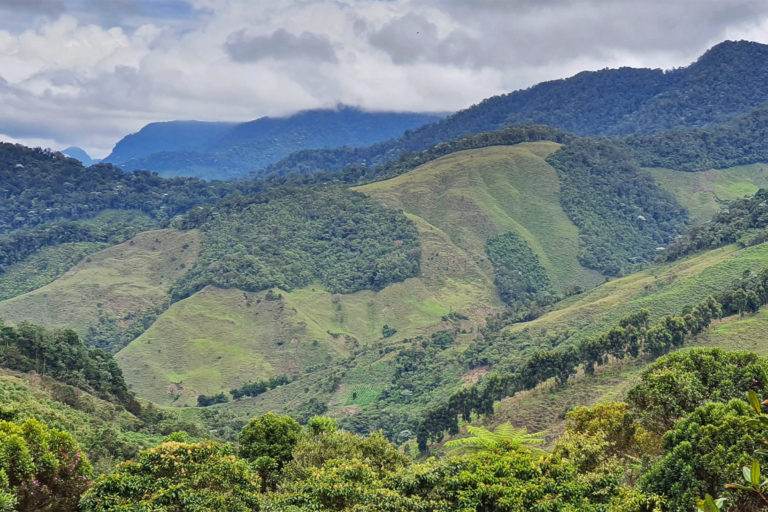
point(518, 274)
point(293, 237)
point(702, 453)
point(678, 383)
point(268, 442)
point(62, 355)
point(622, 215)
point(743, 221)
point(258, 387)
point(603, 437)
point(207, 400)
point(41, 187)
point(40, 468)
point(314, 450)
point(176, 477)
point(387, 331)
point(503, 438)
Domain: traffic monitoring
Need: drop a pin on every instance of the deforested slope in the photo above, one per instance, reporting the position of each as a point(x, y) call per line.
point(111, 288)
point(477, 194)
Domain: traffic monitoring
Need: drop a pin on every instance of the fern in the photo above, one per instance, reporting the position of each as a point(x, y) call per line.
point(505, 437)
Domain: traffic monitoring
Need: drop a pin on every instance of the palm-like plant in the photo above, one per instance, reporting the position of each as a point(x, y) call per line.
point(503, 438)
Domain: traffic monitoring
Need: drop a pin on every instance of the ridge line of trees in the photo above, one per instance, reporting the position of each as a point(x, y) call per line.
point(632, 337)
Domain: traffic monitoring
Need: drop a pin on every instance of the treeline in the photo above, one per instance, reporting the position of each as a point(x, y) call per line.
point(742, 141)
point(292, 237)
point(743, 221)
point(632, 337)
point(255, 388)
point(40, 186)
point(20, 244)
point(62, 355)
point(252, 388)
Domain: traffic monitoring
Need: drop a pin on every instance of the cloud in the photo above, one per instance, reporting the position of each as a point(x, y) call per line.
point(279, 45)
point(41, 7)
point(87, 72)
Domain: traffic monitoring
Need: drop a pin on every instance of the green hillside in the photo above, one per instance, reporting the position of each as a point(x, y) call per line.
point(476, 194)
point(703, 193)
point(219, 339)
point(207, 342)
point(112, 287)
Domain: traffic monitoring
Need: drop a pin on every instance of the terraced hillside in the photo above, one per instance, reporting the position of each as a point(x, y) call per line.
point(115, 285)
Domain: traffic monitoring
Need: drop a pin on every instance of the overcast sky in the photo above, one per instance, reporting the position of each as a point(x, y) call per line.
point(88, 72)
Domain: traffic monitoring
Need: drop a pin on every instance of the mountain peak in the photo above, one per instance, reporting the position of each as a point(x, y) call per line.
point(79, 154)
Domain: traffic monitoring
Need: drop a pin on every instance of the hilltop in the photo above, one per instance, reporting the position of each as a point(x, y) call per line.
point(728, 81)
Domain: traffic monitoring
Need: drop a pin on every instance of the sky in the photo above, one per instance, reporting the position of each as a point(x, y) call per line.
point(88, 72)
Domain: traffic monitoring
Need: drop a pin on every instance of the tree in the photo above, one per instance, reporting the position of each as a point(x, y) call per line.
point(268, 442)
point(705, 451)
point(40, 468)
point(177, 477)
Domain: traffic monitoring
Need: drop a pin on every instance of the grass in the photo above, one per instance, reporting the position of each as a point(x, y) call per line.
point(663, 289)
point(475, 194)
point(118, 283)
point(702, 193)
point(43, 267)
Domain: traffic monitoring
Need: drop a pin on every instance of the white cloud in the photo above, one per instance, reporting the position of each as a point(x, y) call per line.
point(87, 72)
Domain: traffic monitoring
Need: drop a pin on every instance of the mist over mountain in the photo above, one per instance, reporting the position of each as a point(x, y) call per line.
point(229, 150)
point(728, 80)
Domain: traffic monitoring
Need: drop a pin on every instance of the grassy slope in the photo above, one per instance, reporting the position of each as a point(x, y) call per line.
point(214, 341)
point(473, 195)
point(663, 289)
point(119, 281)
point(702, 193)
point(456, 202)
point(43, 267)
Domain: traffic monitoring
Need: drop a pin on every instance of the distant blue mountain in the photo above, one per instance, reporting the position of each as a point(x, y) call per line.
point(230, 150)
point(79, 154)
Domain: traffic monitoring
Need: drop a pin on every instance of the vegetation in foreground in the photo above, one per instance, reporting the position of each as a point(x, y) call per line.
point(652, 453)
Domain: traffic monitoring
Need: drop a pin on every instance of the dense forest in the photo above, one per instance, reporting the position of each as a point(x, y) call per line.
point(291, 238)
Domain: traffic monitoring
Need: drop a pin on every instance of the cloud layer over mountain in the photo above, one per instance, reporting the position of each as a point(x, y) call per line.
point(87, 72)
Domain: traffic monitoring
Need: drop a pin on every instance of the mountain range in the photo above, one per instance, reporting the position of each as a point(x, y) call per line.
point(534, 253)
point(228, 150)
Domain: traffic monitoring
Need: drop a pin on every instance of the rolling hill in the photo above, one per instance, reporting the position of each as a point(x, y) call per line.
point(104, 294)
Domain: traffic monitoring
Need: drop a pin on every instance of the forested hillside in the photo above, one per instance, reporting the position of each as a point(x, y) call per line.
point(727, 81)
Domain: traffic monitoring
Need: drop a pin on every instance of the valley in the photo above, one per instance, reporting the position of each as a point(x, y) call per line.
point(384, 311)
